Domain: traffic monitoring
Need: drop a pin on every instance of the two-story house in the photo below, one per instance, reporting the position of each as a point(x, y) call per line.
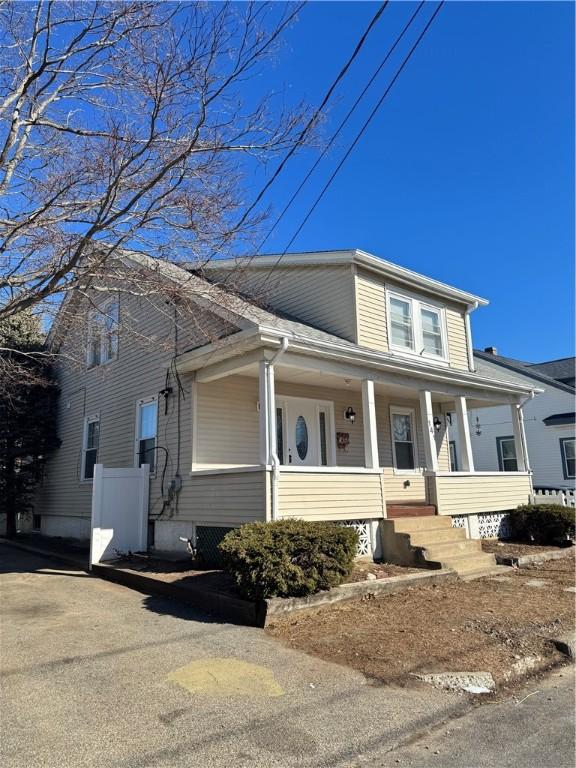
point(331, 403)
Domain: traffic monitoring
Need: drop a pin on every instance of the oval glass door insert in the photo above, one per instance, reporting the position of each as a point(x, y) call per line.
point(301, 437)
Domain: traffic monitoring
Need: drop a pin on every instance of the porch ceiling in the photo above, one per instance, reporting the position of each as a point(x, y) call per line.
point(322, 380)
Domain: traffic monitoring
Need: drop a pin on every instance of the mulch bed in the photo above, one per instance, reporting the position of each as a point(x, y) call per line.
point(514, 548)
point(488, 624)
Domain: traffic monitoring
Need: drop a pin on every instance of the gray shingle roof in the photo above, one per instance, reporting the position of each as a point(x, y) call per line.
point(561, 369)
point(491, 363)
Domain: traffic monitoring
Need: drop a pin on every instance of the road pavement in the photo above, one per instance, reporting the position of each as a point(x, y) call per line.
point(95, 674)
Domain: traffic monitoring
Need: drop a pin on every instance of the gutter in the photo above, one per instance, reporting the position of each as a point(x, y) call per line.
point(271, 405)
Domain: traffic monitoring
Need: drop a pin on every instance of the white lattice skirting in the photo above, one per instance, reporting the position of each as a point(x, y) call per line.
point(492, 526)
point(458, 521)
point(362, 528)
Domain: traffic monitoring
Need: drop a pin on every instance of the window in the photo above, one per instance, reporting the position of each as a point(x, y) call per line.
point(280, 434)
point(416, 327)
point(103, 334)
point(453, 456)
point(401, 326)
point(506, 447)
point(146, 428)
point(90, 446)
point(403, 439)
point(567, 449)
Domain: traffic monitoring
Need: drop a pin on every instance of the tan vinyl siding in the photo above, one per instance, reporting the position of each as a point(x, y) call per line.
point(457, 344)
point(372, 324)
point(227, 498)
point(462, 494)
point(228, 422)
point(322, 296)
point(330, 496)
point(371, 312)
point(112, 391)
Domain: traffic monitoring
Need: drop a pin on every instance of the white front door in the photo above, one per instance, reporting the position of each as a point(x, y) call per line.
point(302, 433)
point(305, 432)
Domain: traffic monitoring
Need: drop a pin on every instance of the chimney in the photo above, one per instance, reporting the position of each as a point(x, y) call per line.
point(491, 350)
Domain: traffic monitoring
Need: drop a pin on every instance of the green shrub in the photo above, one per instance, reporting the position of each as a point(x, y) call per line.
point(543, 523)
point(288, 558)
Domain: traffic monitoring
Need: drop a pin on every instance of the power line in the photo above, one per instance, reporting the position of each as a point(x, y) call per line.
point(356, 140)
point(333, 137)
point(304, 132)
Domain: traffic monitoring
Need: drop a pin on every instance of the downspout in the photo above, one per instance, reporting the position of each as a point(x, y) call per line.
point(523, 432)
point(470, 308)
point(275, 461)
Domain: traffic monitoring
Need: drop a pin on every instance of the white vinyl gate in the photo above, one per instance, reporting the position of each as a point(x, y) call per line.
point(119, 511)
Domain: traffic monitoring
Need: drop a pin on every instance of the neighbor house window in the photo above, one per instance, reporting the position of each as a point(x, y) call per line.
point(90, 446)
point(403, 438)
point(567, 450)
point(507, 460)
point(416, 327)
point(146, 429)
point(103, 334)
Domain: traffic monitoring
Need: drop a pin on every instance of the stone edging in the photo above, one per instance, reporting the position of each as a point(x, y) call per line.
point(277, 606)
point(525, 561)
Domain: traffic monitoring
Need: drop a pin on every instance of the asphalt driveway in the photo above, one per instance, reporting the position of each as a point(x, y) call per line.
point(95, 674)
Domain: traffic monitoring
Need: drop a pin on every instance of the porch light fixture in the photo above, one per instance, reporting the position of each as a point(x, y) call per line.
point(350, 414)
point(478, 427)
point(437, 423)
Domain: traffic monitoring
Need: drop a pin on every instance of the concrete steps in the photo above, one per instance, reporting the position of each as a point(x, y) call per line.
point(432, 542)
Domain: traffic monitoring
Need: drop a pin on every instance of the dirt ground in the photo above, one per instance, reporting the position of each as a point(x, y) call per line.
point(380, 570)
point(489, 624)
point(515, 549)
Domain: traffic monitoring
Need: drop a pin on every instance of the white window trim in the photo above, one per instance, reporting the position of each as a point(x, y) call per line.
point(499, 440)
point(88, 420)
point(403, 411)
point(139, 403)
point(563, 441)
point(283, 401)
point(416, 304)
point(97, 317)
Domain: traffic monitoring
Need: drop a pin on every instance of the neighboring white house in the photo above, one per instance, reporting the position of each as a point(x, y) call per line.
point(549, 421)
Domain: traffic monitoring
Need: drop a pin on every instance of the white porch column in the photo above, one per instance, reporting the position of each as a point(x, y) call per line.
point(371, 459)
point(519, 439)
point(466, 458)
point(427, 416)
point(264, 383)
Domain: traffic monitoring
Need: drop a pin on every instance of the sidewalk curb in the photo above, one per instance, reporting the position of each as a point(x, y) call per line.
point(525, 561)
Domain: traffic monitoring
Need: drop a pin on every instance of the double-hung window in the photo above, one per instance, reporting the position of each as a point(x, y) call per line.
point(403, 438)
point(146, 430)
point(567, 449)
point(416, 327)
point(507, 460)
point(103, 334)
point(91, 442)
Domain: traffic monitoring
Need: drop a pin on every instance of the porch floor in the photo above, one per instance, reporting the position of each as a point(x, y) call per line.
point(410, 510)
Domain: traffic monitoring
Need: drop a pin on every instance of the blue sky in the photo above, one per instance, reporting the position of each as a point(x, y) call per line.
point(467, 172)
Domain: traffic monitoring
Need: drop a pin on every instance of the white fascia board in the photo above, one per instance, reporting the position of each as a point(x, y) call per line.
point(363, 259)
point(270, 337)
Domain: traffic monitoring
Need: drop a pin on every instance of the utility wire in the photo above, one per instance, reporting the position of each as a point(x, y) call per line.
point(354, 143)
point(311, 122)
point(332, 139)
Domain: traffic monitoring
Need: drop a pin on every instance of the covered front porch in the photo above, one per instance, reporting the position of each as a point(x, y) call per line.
point(335, 440)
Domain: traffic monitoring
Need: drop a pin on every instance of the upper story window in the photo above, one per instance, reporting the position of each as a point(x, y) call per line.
point(416, 327)
point(103, 334)
point(568, 450)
